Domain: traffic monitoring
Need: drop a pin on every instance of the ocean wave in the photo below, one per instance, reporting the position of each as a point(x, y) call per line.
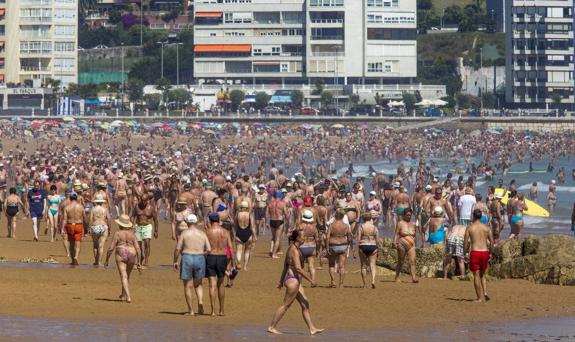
point(545, 188)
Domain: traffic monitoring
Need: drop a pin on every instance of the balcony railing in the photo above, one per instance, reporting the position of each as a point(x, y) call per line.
point(36, 19)
point(326, 21)
point(332, 37)
point(34, 68)
point(327, 54)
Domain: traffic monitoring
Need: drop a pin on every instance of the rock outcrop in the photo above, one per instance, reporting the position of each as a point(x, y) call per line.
point(548, 259)
point(429, 261)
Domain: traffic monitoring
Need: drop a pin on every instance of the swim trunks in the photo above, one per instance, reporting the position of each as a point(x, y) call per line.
point(143, 232)
point(478, 261)
point(74, 231)
point(216, 265)
point(274, 224)
point(454, 246)
point(192, 267)
point(368, 249)
point(307, 251)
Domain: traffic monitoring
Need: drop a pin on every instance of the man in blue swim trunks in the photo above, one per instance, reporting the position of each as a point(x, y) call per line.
point(193, 244)
point(36, 206)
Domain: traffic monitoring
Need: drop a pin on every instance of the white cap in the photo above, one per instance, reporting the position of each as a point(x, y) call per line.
point(553, 181)
point(228, 178)
point(372, 193)
point(192, 219)
point(435, 180)
point(261, 186)
point(428, 187)
point(33, 168)
point(307, 216)
point(396, 185)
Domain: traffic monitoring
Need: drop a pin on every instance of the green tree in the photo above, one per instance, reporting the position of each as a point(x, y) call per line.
point(296, 99)
point(354, 99)
point(556, 98)
point(262, 99)
point(164, 85)
point(319, 87)
point(179, 96)
point(326, 98)
point(54, 84)
point(489, 100)
point(418, 97)
point(424, 4)
point(115, 17)
point(463, 100)
point(135, 89)
point(236, 96)
point(453, 14)
point(409, 100)
point(153, 101)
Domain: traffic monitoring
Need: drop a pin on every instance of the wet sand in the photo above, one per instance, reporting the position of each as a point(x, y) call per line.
point(61, 292)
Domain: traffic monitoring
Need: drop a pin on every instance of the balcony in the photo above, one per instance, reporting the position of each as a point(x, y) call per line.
point(322, 37)
point(28, 68)
point(34, 20)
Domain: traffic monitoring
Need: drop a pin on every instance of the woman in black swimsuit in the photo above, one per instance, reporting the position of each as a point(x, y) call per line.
point(12, 205)
point(245, 234)
point(291, 279)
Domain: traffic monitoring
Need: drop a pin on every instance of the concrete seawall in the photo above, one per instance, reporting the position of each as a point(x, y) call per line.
point(406, 123)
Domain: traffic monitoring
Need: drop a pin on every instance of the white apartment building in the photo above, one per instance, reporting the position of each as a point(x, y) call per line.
point(298, 41)
point(38, 40)
point(539, 52)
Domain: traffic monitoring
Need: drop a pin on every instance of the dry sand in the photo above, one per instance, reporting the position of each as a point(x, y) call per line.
point(87, 293)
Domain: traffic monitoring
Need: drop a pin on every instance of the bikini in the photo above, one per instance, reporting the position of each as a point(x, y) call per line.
point(293, 276)
point(54, 202)
point(127, 253)
point(368, 247)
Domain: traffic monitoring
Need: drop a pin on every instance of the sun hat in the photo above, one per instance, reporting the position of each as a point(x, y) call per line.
point(428, 187)
point(307, 216)
point(191, 219)
point(99, 198)
point(181, 200)
point(124, 221)
point(373, 193)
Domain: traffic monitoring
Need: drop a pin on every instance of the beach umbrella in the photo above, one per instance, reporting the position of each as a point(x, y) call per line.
point(209, 131)
point(438, 103)
point(424, 103)
point(337, 126)
point(157, 124)
point(475, 133)
point(166, 127)
point(35, 125)
point(51, 123)
point(364, 126)
point(105, 125)
point(68, 118)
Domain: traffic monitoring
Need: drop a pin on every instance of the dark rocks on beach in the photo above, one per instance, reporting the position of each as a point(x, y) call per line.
point(429, 261)
point(546, 259)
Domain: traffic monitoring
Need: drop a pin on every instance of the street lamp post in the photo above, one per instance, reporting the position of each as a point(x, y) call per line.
point(141, 23)
point(123, 81)
point(481, 73)
point(336, 80)
point(162, 58)
point(178, 63)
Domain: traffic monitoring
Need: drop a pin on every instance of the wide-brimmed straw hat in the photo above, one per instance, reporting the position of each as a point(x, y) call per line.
point(307, 216)
point(124, 222)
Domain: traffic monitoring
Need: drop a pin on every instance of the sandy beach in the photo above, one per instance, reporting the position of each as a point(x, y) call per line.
point(84, 293)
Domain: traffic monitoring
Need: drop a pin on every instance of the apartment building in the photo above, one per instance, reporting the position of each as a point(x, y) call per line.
point(298, 41)
point(38, 40)
point(539, 52)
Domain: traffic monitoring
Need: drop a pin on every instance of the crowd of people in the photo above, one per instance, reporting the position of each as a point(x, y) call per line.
point(221, 194)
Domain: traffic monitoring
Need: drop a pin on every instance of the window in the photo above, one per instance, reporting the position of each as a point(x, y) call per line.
point(64, 46)
point(391, 18)
point(375, 67)
point(391, 34)
point(284, 67)
point(382, 3)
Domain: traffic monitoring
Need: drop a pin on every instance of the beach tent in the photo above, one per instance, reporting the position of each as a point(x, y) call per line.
point(337, 126)
point(438, 103)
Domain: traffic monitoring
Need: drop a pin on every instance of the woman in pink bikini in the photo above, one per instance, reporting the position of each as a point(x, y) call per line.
point(127, 254)
point(291, 279)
